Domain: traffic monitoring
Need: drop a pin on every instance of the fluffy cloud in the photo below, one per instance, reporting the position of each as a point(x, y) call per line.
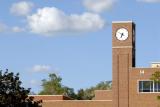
point(50, 20)
point(41, 68)
point(99, 5)
point(22, 8)
point(149, 1)
point(17, 29)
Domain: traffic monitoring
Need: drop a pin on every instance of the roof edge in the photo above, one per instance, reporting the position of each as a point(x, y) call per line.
point(123, 21)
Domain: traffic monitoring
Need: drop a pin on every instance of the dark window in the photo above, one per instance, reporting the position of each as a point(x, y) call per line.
point(145, 86)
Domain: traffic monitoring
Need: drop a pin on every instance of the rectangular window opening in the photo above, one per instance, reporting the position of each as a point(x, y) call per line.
point(156, 87)
point(148, 86)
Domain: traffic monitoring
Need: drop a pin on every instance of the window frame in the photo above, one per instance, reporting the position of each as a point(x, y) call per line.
point(146, 92)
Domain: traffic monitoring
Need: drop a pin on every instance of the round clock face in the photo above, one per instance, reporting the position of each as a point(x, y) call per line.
point(122, 34)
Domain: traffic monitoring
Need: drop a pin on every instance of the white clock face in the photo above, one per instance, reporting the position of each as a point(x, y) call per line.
point(122, 34)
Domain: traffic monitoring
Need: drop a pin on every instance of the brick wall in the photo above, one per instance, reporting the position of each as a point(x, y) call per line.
point(77, 103)
point(103, 95)
point(137, 99)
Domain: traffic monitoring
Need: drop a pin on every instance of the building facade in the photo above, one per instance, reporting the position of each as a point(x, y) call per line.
point(132, 87)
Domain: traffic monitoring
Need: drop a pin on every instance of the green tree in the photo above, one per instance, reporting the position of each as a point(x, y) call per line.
point(53, 86)
point(81, 94)
point(156, 78)
point(11, 92)
point(104, 85)
point(88, 93)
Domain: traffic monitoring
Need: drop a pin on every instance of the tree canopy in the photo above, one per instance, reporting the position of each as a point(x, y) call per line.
point(12, 94)
point(156, 76)
point(53, 86)
point(88, 94)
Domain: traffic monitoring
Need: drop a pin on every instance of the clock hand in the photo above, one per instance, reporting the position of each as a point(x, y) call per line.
point(122, 35)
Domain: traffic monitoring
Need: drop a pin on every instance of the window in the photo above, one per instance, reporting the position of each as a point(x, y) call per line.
point(157, 87)
point(145, 86)
point(149, 86)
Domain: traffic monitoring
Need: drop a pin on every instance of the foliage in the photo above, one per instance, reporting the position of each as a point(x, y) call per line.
point(11, 92)
point(53, 86)
point(88, 93)
point(156, 76)
point(31, 103)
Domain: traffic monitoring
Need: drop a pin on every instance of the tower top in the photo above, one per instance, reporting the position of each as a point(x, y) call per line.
point(122, 21)
point(123, 34)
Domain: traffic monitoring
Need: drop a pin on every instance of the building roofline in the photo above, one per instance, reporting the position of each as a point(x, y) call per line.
point(103, 90)
point(77, 101)
point(155, 62)
point(48, 95)
point(143, 68)
point(123, 21)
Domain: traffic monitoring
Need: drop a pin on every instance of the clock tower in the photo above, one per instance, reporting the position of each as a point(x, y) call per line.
point(123, 58)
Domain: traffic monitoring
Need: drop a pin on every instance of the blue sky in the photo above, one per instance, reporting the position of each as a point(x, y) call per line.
point(72, 38)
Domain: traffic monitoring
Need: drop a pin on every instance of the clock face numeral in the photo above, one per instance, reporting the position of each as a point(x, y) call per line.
point(122, 34)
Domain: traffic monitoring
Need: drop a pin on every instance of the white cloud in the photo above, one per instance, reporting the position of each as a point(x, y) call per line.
point(99, 5)
point(41, 68)
point(22, 8)
point(50, 20)
point(17, 29)
point(3, 27)
point(149, 1)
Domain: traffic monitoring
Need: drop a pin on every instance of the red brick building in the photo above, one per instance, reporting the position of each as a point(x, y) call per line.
point(132, 86)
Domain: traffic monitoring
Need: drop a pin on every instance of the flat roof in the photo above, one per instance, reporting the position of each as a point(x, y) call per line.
point(155, 62)
point(122, 21)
